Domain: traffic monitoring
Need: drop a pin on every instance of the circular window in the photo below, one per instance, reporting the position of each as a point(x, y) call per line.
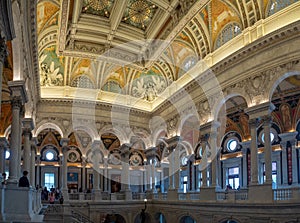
point(7, 154)
point(272, 137)
point(184, 161)
point(49, 155)
point(232, 145)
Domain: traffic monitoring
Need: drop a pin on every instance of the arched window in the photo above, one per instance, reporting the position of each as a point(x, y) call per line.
point(276, 5)
point(82, 81)
point(230, 31)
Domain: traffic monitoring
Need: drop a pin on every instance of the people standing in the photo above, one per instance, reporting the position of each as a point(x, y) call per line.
point(23, 181)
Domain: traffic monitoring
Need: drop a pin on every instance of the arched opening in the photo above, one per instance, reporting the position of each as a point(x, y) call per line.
point(159, 218)
point(114, 218)
point(187, 219)
point(285, 98)
point(143, 217)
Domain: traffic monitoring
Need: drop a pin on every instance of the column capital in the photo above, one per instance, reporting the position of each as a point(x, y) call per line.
point(209, 127)
point(288, 136)
point(64, 142)
point(96, 145)
point(125, 148)
point(260, 110)
point(150, 152)
point(16, 102)
point(17, 90)
point(34, 141)
point(3, 49)
point(253, 123)
point(246, 144)
point(28, 125)
point(267, 119)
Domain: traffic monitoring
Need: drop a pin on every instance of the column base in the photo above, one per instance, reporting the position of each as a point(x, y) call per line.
point(208, 193)
point(97, 195)
point(65, 194)
point(128, 195)
point(12, 182)
point(260, 193)
point(172, 194)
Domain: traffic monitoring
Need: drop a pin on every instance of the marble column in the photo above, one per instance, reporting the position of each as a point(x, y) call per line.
point(260, 193)
point(245, 145)
point(253, 151)
point(38, 170)
point(3, 147)
point(145, 175)
point(96, 183)
point(3, 55)
point(64, 143)
point(285, 138)
point(204, 164)
point(171, 170)
point(83, 173)
point(27, 128)
point(105, 174)
point(214, 157)
point(18, 99)
point(267, 149)
point(32, 166)
point(177, 167)
point(125, 148)
point(14, 150)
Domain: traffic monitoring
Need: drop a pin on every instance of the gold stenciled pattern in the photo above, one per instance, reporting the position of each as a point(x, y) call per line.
point(139, 13)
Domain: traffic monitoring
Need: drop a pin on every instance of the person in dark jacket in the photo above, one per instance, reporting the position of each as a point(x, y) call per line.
point(23, 181)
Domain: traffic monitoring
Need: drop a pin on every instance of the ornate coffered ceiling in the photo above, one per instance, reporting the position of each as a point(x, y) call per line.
point(130, 51)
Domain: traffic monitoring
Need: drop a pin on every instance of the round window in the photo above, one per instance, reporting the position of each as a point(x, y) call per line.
point(232, 145)
point(272, 137)
point(7, 154)
point(49, 155)
point(184, 161)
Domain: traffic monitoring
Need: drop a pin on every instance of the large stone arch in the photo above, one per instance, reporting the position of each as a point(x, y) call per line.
point(119, 132)
point(156, 134)
point(7, 131)
point(220, 103)
point(278, 74)
point(45, 125)
point(92, 132)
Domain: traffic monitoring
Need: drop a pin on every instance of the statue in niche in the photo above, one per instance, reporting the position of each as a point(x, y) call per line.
point(150, 91)
point(286, 116)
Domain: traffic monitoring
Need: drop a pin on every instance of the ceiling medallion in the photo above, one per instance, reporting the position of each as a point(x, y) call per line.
point(98, 5)
point(139, 13)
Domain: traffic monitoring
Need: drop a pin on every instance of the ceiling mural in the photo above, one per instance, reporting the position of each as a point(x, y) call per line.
point(148, 85)
point(51, 68)
point(112, 43)
point(6, 117)
point(47, 15)
point(221, 15)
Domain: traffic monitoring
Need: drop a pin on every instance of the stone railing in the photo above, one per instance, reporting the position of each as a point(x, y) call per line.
point(283, 194)
point(232, 195)
point(138, 196)
point(286, 194)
